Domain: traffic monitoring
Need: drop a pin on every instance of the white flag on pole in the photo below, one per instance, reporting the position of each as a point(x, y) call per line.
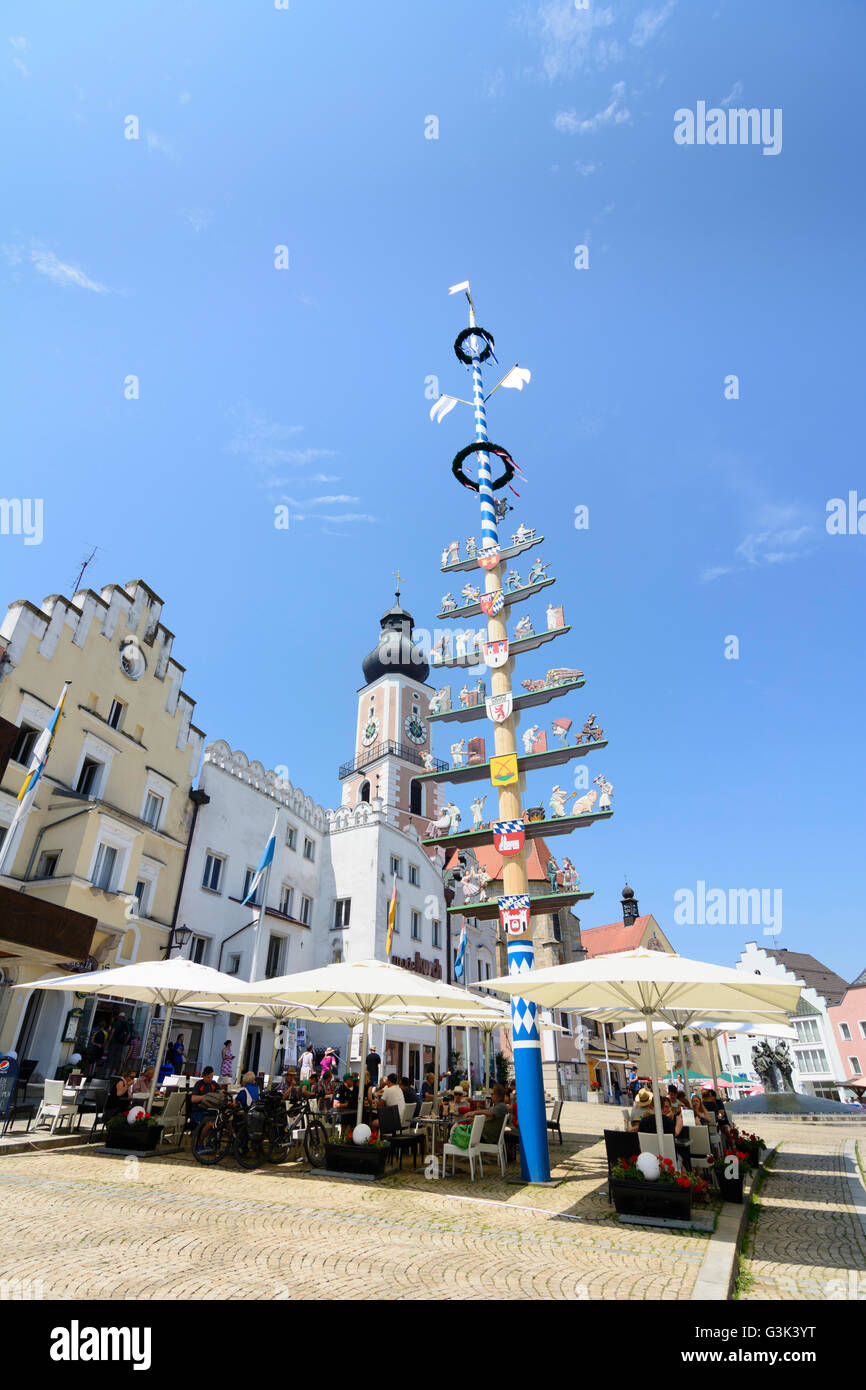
point(442, 407)
point(516, 379)
point(455, 289)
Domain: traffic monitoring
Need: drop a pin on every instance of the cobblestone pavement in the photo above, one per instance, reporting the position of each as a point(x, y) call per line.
point(89, 1226)
point(808, 1239)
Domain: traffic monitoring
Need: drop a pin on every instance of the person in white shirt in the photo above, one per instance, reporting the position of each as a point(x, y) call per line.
point(392, 1095)
point(306, 1065)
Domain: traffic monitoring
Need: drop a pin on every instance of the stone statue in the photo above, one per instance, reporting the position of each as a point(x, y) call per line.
point(529, 736)
point(538, 571)
point(784, 1065)
point(500, 507)
point(584, 804)
point(471, 550)
point(570, 876)
point(471, 886)
point(470, 593)
point(590, 733)
point(449, 603)
point(428, 760)
point(440, 825)
point(478, 812)
point(523, 533)
point(458, 753)
point(454, 817)
point(441, 701)
point(606, 789)
point(560, 799)
point(552, 874)
point(524, 628)
point(446, 556)
point(513, 581)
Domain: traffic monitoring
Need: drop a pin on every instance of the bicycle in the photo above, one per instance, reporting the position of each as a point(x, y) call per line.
point(268, 1132)
point(214, 1136)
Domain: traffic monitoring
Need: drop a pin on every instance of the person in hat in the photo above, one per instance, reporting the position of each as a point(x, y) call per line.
point(642, 1106)
point(346, 1095)
point(328, 1063)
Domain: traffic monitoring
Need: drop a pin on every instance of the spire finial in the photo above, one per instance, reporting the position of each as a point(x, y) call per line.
point(398, 576)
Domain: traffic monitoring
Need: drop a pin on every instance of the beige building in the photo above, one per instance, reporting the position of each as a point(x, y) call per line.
point(106, 836)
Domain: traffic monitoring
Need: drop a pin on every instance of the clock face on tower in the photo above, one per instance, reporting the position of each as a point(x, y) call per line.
point(371, 731)
point(415, 728)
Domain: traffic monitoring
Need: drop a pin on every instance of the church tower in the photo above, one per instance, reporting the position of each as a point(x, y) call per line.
point(392, 732)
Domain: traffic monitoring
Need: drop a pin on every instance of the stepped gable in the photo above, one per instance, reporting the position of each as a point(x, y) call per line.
point(812, 972)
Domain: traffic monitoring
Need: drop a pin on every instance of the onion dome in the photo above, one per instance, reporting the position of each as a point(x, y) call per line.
point(396, 654)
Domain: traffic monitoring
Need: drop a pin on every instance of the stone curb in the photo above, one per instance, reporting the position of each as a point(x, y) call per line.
point(717, 1275)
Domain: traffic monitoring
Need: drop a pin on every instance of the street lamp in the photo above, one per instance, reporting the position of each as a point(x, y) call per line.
point(177, 936)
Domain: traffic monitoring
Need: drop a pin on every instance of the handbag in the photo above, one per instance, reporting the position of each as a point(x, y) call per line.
point(461, 1136)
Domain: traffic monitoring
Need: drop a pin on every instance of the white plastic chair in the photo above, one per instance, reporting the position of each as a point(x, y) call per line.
point(54, 1107)
point(407, 1111)
point(498, 1148)
point(472, 1152)
point(649, 1144)
point(699, 1147)
point(173, 1117)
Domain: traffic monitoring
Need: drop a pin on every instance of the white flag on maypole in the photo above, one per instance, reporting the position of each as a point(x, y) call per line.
point(442, 407)
point(516, 379)
point(38, 759)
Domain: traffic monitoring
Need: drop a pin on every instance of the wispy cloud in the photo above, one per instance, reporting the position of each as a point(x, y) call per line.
point(615, 113)
point(197, 218)
point(46, 263)
point(568, 37)
point(649, 22)
point(263, 442)
point(325, 478)
point(320, 501)
point(184, 98)
point(586, 167)
point(322, 516)
point(20, 46)
point(736, 91)
point(777, 537)
point(154, 142)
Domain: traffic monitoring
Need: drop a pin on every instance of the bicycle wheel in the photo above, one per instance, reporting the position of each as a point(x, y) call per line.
point(209, 1142)
point(314, 1143)
point(245, 1152)
point(276, 1144)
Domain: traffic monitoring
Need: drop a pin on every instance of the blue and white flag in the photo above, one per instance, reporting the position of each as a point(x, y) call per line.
point(461, 952)
point(265, 862)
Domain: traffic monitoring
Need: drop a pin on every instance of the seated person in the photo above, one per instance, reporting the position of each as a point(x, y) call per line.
point(346, 1094)
point(716, 1107)
point(643, 1105)
point(699, 1110)
point(494, 1115)
point(249, 1091)
point(119, 1098)
point(428, 1087)
point(290, 1089)
point(201, 1088)
point(391, 1095)
point(671, 1124)
point(410, 1095)
point(142, 1085)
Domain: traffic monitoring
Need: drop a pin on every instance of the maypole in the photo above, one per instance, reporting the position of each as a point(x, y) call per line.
point(526, 1040)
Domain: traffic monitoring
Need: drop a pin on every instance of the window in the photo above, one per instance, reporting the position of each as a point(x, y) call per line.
point(396, 867)
point(413, 875)
point(256, 899)
point(23, 745)
point(396, 914)
point(213, 869)
point(153, 808)
point(291, 837)
point(845, 1032)
point(115, 714)
point(812, 1059)
point(309, 850)
point(306, 910)
point(437, 933)
point(862, 1024)
point(47, 866)
point(365, 793)
point(287, 894)
point(807, 1030)
point(735, 1060)
point(140, 895)
point(103, 869)
point(416, 797)
point(416, 926)
point(557, 926)
point(854, 1064)
point(274, 962)
point(198, 949)
point(89, 777)
point(341, 912)
point(234, 965)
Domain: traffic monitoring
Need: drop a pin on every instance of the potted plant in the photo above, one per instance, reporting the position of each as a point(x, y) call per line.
point(668, 1195)
point(345, 1156)
point(594, 1093)
point(142, 1135)
point(729, 1168)
point(751, 1145)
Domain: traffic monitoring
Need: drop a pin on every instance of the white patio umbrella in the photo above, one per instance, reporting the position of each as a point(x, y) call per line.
point(166, 982)
point(676, 1021)
point(652, 984)
point(366, 987)
point(278, 1011)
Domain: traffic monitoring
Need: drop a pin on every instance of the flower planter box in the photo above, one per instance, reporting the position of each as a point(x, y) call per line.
point(143, 1139)
point(357, 1158)
point(731, 1189)
point(663, 1199)
point(594, 1098)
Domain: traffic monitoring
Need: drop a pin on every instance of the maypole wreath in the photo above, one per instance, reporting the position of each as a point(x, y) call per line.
point(467, 358)
point(482, 447)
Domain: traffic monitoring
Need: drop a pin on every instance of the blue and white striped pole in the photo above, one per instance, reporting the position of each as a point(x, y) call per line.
point(528, 1075)
point(489, 533)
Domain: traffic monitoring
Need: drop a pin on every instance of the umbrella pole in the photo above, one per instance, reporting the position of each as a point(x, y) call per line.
point(468, 1061)
point(359, 1115)
point(160, 1053)
point(438, 1034)
point(657, 1104)
point(277, 1024)
point(714, 1053)
point(683, 1063)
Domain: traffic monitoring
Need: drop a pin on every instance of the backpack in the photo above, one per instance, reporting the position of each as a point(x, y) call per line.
point(211, 1100)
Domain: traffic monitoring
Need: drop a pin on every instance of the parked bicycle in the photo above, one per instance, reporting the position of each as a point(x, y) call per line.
point(214, 1136)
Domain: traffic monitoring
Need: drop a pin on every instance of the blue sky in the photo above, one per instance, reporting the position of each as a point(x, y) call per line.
point(306, 128)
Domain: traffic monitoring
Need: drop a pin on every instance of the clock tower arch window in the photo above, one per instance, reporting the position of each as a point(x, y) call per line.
point(364, 793)
point(416, 797)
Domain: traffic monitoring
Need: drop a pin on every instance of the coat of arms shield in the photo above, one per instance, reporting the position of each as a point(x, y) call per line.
point(496, 653)
point(508, 837)
point(491, 604)
point(499, 707)
point(514, 913)
point(489, 556)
